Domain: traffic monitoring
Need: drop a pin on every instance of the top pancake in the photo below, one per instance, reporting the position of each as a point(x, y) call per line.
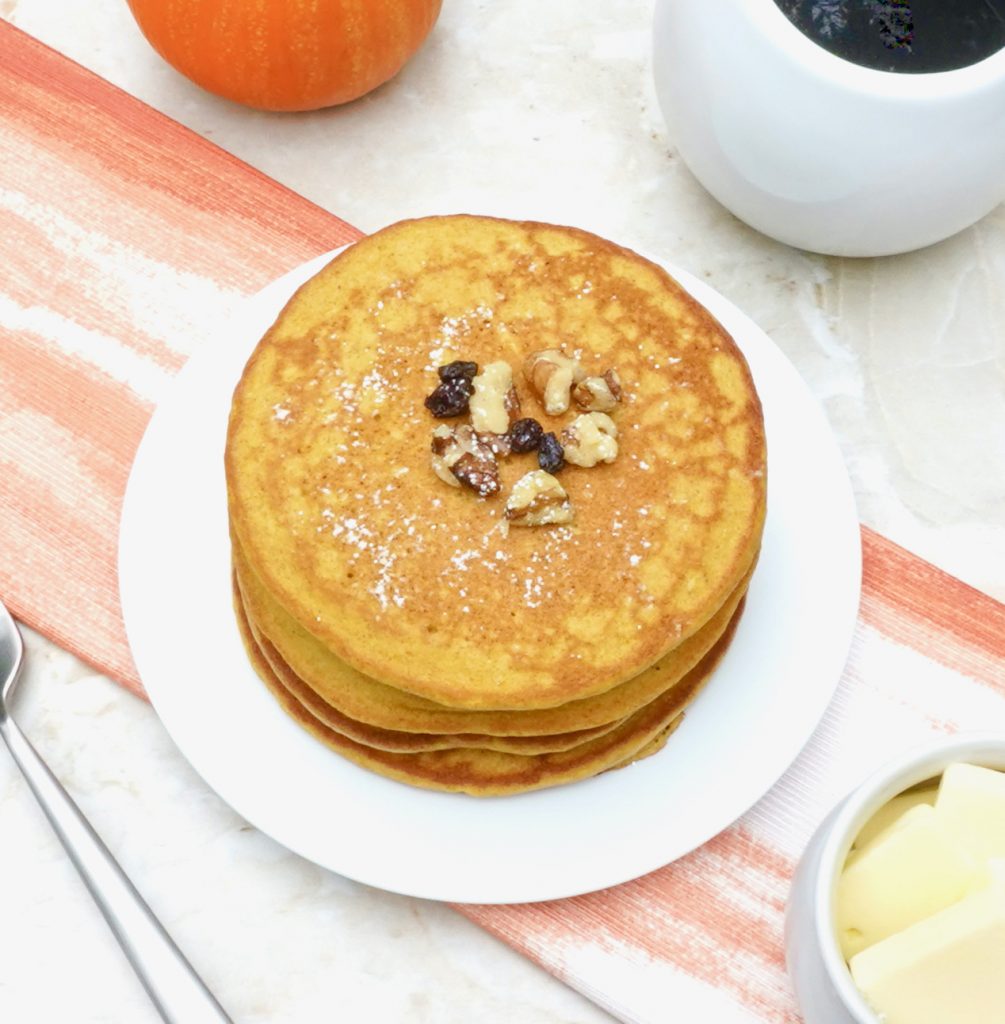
point(410, 581)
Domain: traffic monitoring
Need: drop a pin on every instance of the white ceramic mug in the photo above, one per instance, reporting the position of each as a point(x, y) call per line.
point(824, 988)
point(817, 151)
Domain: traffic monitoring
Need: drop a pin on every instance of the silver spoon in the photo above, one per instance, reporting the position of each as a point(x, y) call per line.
point(176, 990)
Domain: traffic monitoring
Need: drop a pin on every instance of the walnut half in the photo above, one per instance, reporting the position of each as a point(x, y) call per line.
point(589, 439)
point(494, 404)
point(551, 375)
point(598, 394)
point(538, 499)
point(461, 457)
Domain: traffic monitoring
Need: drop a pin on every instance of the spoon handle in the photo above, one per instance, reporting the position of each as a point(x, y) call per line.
point(176, 990)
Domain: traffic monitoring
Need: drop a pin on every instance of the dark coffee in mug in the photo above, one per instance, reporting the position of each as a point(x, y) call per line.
point(911, 36)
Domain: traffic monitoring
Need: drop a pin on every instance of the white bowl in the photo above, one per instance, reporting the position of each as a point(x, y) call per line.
point(819, 152)
point(824, 988)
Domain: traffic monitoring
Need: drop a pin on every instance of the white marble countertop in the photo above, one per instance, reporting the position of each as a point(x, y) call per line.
point(541, 110)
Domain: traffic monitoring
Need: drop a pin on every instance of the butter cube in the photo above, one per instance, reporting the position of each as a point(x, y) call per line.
point(909, 871)
point(947, 969)
point(892, 810)
point(971, 803)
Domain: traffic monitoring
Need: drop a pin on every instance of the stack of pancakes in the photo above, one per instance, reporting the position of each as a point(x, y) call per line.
point(394, 616)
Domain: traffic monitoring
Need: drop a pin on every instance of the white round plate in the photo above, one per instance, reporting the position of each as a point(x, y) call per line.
point(737, 739)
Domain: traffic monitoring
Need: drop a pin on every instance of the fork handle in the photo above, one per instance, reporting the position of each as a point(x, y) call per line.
point(176, 990)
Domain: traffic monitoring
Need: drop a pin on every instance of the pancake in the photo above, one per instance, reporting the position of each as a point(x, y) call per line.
point(356, 696)
point(654, 746)
point(395, 740)
point(479, 772)
point(410, 582)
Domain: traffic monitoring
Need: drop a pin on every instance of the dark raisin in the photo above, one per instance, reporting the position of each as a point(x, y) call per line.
point(550, 454)
point(525, 435)
point(450, 398)
point(457, 369)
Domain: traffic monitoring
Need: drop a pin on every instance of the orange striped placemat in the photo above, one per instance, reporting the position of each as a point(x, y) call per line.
point(119, 230)
point(701, 939)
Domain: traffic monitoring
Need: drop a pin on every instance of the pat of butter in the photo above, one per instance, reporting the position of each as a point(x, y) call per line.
point(891, 811)
point(971, 803)
point(911, 870)
point(946, 969)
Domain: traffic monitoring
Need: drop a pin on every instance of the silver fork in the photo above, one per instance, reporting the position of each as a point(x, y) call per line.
point(176, 990)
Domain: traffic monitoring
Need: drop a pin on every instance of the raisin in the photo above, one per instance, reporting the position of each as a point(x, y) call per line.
point(525, 435)
point(550, 454)
point(458, 369)
point(450, 398)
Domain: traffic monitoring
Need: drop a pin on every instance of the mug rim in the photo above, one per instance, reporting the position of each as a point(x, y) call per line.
point(909, 86)
point(913, 767)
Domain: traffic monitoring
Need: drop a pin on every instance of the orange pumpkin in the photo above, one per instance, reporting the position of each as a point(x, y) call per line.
point(286, 54)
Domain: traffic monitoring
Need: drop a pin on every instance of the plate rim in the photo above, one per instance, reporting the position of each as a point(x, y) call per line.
point(273, 297)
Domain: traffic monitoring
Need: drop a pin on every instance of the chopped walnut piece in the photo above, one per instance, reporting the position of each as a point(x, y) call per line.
point(598, 394)
point(551, 375)
point(538, 499)
point(443, 446)
point(589, 439)
point(511, 403)
point(494, 404)
point(501, 444)
point(460, 456)
point(477, 473)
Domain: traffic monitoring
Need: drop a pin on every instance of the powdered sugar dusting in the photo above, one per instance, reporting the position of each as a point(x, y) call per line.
point(449, 341)
point(397, 537)
point(366, 548)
